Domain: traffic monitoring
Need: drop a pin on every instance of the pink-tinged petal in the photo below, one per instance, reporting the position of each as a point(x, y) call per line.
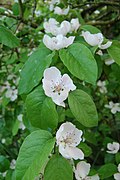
point(82, 170)
point(105, 46)
point(117, 176)
point(74, 153)
point(52, 74)
point(68, 83)
point(65, 28)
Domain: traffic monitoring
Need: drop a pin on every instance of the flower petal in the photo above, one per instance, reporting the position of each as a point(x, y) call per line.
point(92, 39)
point(117, 176)
point(74, 153)
point(82, 169)
point(68, 83)
point(105, 46)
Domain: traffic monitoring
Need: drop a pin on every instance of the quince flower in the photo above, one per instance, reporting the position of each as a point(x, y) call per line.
point(95, 40)
point(74, 24)
point(59, 11)
point(58, 42)
point(102, 86)
point(53, 27)
point(113, 147)
point(115, 107)
point(117, 175)
point(57, 86)
point(82, 171)
point(68, 137)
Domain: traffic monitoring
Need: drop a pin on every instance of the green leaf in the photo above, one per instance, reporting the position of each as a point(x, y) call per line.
point(80, 62)
point(33, 69)
point(41, 110)
point(58, 168)
point(107, 170)
point(33, 154)
point(4, 163)
point(91, 29)
point(114, 51)
point(117, 158)
point(83, 108)
point(15, 127)
point(7, 38)
point(85, 148)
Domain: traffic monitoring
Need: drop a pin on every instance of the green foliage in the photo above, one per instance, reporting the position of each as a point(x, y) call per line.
point(79, 60)
point(83, 108)
point(114, 50)
point(107, 170)
point(58, 168)
point(41, 110)
point(7, 38)
point(33, 69)
point(33, 154)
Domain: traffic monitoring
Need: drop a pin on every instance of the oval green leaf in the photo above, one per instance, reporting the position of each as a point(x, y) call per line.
point(33, 154)
point(58, 168)
point(41, 110)
point(83, 108)
point(80, 62)
point(33, 69)
point(114, 51)
point(107, 170)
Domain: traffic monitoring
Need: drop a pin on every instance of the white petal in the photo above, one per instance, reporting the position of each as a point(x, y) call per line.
point(105, 46)
point(113, 147)
point(108, 62)
point(68, 41)
point(52, 74)
point(95, 177)
point(65, 128)
point(63, 151)
point(92, 39)
point(75, 24)
point(47, 40)
point(68, 83)
point(74, 153)
point(117, 176)
point(118, 167)
point(59, 98)
point(65, 28)
point(76, 137)
point(82, 169)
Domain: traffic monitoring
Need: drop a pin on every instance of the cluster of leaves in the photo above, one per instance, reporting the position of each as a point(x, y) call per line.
point(20, 33)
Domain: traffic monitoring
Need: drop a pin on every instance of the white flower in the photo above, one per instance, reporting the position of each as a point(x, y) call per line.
point(12, 93)
point(117, 175)
point(68, 137)
point(82, 171)
point(108, 62)
point(102, 86)
point(113, 147)
point(12, 164)
point(57, 86)
point(96, 12)
point(114, 107)
point(95, 40)
point(53, 27)
point(59, 11)
point(58, 42)
point(75, 24)
point(20, 119)
point(52, 3)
